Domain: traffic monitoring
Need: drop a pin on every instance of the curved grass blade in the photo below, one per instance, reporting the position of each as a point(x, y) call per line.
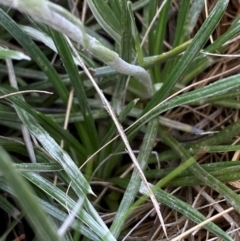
point(68, 203)
point(108, 167)
point(135, 35)
point(126, 54)
point(12, 54)
point(159, 36)
point(200, 173)
point(134, 184)
point(91, 140)
point(203, 61)
point(58, 132)
point(106, 18)
point(36, 167)
point(191, 18)
point(152, 8)
point(26, 115)
point(89, 207)
point(191, 52)
point(154, 60)
point(35, 53)
point(61, 216)
point(185, 209)
point(42, 225)
point(217, 88)
point(182, 15)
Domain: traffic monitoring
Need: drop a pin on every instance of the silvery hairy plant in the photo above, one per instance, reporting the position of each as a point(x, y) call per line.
point(63, 21)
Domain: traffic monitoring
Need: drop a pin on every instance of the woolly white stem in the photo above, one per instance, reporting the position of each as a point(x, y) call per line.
point(61, 20)
point(138, 72)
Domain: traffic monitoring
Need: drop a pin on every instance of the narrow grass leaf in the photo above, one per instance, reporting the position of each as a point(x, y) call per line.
point(191, 52)
point(106, 18)
point(182, 15)
point(186, 210)
point(59, 133)
point(159, 36)
point(42, 225)
point(87, 204)
point(219, 43)
point(54, 150)
point(140, 4)
point(123, 115)
point(61, 216)
point(12, 54)
point(200, 173)
point(217, 88)
point(35, 53)
point(9, 208)
point(135, 34)
point(134, 184)
point(209, 167)
point(91, 138)
point(48, 142)
point(68, 203)
point(152, 8)
point(109, 166)
point(126, 54)
point(164, 57)
point(191, 18)
point(37, 167)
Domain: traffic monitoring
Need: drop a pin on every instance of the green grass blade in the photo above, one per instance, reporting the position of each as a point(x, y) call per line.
point(217, 88)
point(204, 61)
point(201, 174)
point(126, 54)
point(11, 54)
point(182, 17)
point(91, 138)
point(180, 176)
point(152, 8)
point(184, 5)
point(116, 8)
point(68, 203)
point(191, 18)
point(89, 207)
point(135, 35)
point(191, 52)
point(108, 167)
point(216, 167)
point(187, 210)
point(229, 34)
point(123, 115)
point(56, 131)
point(139, 4)
point(42, 225)
point(48, 142)
point(159, 38)
point(35, 53)
point(106, 18)
point(134, 184)
point(61, 216)
point(154, 60)
point(36, 167)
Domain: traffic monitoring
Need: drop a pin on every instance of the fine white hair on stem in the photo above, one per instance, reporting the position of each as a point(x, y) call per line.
point(63, 21)
point(133, 70)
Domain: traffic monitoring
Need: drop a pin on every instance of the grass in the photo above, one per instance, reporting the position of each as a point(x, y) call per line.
point(109, 108)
